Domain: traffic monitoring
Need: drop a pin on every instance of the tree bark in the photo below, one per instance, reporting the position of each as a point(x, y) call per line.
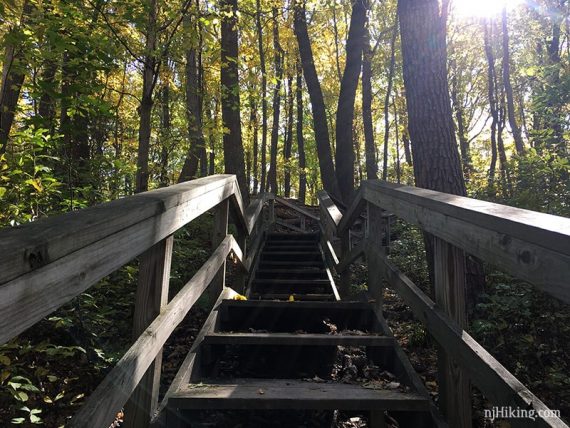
point(369, 147)
point(278, 65)
point(165, 132)
point(436, 166)
point(193, 110)
point(387, 100)
point(345, 109)
point(12, 79)
point(289, 137)
point(300, 138)
point(255, 126)
point(320, 127)
point(457, 103)
point(263, 70)
point(233, 147)
point(493, 103)
point(515, 129)
point(145, 107)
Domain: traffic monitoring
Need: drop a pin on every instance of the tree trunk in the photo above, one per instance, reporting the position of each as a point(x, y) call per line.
point(369, 147)
point(345, 110)
point(515, 129)
point(263, 70)
point(493, 104)
point(387, 100)
point(193, 110)
point(278, 65)
point(300, 138)
point(255, 125)
point(145, 107)
point(165, 132)
point(457, 103)
point(436, 166)
point(289, 137)
point(233, 147)
point(336, 49)
point(322, 140)
point(12, 78)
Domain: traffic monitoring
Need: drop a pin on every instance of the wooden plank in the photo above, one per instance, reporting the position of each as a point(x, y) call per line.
point(29, 247)
point(546, 230)
point(296, 296)
point(219, 232)
point(376, 232)
point(353, 255)
point(495, 382)
point(333, 214)
point(536, 252)
point(151, 297)
point(293, 394)
point(30, 297)
point(294, 339)
point(353, 212)
point(288, 226)
point(449, 279)
point(111, 394)
point(296, 208)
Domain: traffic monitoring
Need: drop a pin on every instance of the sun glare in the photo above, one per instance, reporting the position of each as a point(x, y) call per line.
point(482, 8)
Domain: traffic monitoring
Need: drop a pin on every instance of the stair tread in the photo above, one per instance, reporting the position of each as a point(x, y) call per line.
point(285, 296)
point(291, 394)
point(291, 281)
point(298, 339)
point(340, 305)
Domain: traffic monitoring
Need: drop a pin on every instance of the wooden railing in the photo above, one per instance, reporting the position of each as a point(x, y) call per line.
point(45, 264)
point(526, 244)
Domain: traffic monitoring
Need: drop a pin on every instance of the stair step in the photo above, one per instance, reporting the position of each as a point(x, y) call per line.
point(297, 339)
point(296, 296)
point(291, 247)
point(310, 273)
point(309, 316)
point(292, 394)
point(291, 255)
point(266, 264)
point(291, 286)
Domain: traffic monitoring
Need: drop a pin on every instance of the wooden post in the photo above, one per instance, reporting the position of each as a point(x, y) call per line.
point(345, 276)
point(220, 232)
point(271, 222)
point(151, 296)
point(449, 281)
point(376, 232)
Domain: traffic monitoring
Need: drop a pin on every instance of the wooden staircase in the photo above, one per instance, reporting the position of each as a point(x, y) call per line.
point(294, 355)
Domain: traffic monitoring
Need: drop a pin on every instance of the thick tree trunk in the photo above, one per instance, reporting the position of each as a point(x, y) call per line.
point(369, 147)
point(345, 110)
point(13, 70)
point(196, 139)
point(515, 129)
point(288, 137)
point(145, 107)
point(278, 65)
point(233, 147)
point(300, 138)
point(436, 166)
point(387, 100)
point(322, 140)
point(263, 70)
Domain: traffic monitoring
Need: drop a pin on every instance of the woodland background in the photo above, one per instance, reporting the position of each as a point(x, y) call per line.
point(104, 98)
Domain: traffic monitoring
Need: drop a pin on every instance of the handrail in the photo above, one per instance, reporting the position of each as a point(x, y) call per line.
point(119, 384)
point(527, 244)
point(45, 264)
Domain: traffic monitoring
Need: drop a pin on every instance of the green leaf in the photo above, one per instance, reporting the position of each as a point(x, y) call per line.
point(21, 396)
point(3, 358)
point(18, 421)
point(2, 191)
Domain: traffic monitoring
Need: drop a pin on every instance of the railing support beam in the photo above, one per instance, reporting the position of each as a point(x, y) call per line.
point(151, 297)
point(221, 215)
point(449, 284)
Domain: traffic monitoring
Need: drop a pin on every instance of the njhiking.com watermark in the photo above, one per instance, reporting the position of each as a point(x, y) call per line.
point(506, 412)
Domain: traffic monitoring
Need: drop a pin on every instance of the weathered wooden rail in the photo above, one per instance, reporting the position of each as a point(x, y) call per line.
point(45, 264)
point(529, 245)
